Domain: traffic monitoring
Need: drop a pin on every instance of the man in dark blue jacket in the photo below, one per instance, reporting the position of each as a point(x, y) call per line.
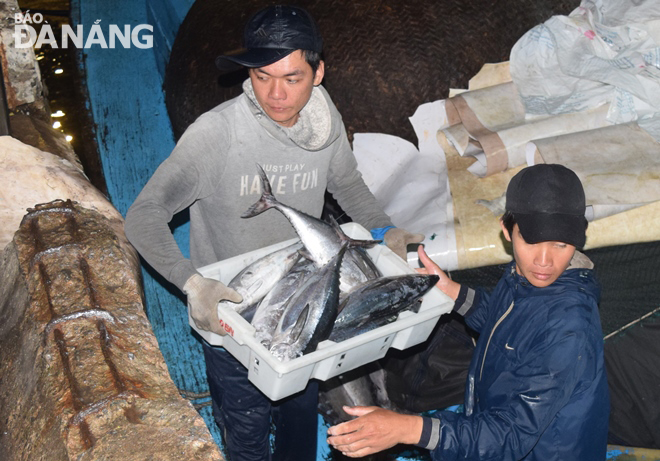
point(536, 388)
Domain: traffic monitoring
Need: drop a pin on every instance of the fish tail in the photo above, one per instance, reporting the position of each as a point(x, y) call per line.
point(351, 242)
point(345, 245)
point(362, 243)
point(267, 199)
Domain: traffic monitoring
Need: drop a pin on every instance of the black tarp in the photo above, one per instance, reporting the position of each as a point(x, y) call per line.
point(632, 359)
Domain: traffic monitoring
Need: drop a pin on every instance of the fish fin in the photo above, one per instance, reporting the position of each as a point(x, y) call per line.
point(346, 238)
point(305, 254)
point(267, 199)
point(265, 183)
point(300, 323)
point(345, 245)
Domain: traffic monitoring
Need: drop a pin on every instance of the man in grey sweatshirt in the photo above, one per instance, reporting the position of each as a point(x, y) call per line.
point(285, 122)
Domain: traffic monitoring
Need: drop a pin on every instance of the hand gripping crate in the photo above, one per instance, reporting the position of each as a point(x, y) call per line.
point(280, 379)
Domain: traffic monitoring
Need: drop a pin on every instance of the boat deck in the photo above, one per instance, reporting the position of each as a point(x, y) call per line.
point(134, 136)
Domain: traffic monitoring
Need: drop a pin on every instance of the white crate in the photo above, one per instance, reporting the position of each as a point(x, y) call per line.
point(280, 379)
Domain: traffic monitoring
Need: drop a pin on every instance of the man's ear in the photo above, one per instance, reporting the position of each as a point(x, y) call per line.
point(320, 73)
point(505, 231)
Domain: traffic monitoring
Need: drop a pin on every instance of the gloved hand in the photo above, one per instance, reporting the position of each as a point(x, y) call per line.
point(397, 240)
point(204, 294)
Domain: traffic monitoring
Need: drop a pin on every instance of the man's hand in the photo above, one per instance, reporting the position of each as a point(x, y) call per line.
point(204, 294)
point(375, 430)
point(398, 239)
point(446, 285)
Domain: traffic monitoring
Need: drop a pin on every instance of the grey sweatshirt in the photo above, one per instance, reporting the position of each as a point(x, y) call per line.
point(213, 171)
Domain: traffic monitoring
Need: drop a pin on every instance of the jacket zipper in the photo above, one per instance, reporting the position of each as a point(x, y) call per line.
point(483, 361)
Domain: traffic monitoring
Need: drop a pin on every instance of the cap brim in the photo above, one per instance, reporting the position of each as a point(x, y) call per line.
point(250, 58)
point(547, 227)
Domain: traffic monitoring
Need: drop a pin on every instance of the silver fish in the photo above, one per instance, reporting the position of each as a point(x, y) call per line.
point(270, 309)
point(351, 389)
point(322, 240)
point(257, 279)
point(316, 302)
point(365, 263)
point(363, 386)
point(377, 302)
point(356, 268)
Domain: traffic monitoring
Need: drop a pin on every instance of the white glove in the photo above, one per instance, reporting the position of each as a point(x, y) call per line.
point(397, 240)
point(204, 294)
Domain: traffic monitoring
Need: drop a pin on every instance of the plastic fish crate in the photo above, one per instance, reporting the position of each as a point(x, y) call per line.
point(278, 379)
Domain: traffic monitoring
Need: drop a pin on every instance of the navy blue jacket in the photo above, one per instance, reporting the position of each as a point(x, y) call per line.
point(536, 388)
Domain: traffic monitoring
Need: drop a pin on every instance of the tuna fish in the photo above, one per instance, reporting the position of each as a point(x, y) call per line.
point(310, 314)
point(364, 263)
point(322, 240)
point(270, 309)
point(257, 279)
point(353, 388)
point(378, 302)
point(356, 268)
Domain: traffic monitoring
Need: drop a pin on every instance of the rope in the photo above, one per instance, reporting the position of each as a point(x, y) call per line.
point(189, 395)
point(194, 395)
point(199, 406)
point(632, 323)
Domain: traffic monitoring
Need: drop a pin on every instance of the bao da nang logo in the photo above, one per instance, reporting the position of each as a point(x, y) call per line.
point(25, 34)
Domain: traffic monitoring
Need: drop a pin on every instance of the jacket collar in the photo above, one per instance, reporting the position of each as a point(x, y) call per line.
point(577, 277)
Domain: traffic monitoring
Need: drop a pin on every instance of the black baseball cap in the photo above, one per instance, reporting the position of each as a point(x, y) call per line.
point(272, 34)
point(548, 203)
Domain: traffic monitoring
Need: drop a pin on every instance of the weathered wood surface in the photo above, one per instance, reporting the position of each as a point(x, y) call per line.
point(82, 377)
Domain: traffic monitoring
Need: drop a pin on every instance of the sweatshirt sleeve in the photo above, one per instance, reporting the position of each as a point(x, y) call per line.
point(185, 176)
point(346, 185)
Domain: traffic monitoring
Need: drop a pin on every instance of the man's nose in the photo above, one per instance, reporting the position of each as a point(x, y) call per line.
point(543, 257)
point(277, 90)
